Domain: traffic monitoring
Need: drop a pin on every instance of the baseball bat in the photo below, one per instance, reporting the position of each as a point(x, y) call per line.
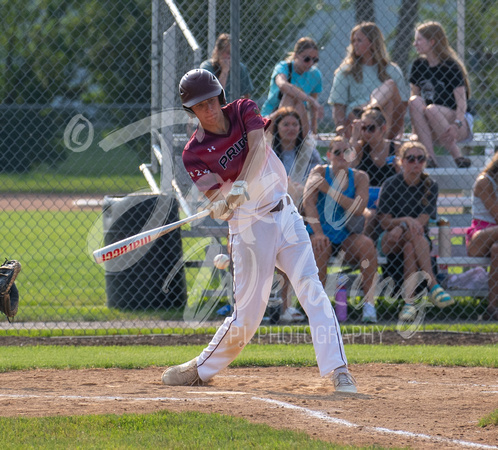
point(119, 248)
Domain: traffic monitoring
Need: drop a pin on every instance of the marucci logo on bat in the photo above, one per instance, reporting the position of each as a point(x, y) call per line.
point(126, 248)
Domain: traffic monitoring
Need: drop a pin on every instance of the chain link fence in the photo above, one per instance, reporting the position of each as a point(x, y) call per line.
point(92, 133)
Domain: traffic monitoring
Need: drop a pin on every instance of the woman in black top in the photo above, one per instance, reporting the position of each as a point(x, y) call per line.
point(440, 89)
point(407, 201)
point(376, 156)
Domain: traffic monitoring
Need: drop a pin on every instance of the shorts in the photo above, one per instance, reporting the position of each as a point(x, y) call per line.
point(470, 120)
point(475, 226)
point(373, 196)
point(380, 253)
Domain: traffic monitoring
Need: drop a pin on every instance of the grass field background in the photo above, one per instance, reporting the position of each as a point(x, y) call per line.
point(61, 282)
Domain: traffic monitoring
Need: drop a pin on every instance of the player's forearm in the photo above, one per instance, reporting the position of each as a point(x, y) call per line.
point(256, 156)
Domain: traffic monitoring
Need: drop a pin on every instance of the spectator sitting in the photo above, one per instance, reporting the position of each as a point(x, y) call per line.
point(297, 153)
point(298, 156)
point(376, 156)
point(482, 236)
point(332, 193)
point(367, 77)
point(407, 201)
point(297, 82)
point(219, 65)
point(440, 89)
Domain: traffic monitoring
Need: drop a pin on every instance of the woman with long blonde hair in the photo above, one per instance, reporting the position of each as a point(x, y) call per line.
point(440, 89)
point(368, 78)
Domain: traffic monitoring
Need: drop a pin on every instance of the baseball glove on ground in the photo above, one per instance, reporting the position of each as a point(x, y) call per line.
point(9, 295)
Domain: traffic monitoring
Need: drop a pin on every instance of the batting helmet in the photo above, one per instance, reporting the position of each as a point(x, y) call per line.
point(198, 85)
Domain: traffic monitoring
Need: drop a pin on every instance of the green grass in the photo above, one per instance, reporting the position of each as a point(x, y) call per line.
point(43, 183)
point(490, 419)
point(162, 429)
point(137, 357)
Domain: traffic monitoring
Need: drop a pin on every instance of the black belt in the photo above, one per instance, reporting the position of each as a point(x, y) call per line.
point(280, 205)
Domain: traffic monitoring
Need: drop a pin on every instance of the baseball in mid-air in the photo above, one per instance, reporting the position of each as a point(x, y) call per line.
point(221, 261)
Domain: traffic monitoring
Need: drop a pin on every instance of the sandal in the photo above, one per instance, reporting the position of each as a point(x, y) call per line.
point(462, 162)
point(440, 298)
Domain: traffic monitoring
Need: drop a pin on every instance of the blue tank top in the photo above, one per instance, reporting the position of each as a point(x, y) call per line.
point(332, 215)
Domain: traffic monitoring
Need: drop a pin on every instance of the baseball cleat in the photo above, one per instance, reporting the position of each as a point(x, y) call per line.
point(344, 382)
point(183, 375)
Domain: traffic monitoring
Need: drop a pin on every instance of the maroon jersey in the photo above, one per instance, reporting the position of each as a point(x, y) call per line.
point(211, 159)
point(214, 161)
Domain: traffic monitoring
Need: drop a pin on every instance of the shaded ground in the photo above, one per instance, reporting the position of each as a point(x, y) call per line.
point(358, 337)
point(397, 405)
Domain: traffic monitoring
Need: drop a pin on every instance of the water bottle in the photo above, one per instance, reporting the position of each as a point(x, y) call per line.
point(444, 239)
point(341, 304)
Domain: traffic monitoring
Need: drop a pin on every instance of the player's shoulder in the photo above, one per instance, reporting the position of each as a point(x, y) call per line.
point(191, 145)
point(246, 105)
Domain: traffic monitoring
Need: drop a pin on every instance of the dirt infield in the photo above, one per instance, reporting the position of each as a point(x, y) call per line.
point(397, 405)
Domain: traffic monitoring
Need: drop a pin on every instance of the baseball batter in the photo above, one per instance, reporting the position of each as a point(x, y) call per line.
point(229, 160)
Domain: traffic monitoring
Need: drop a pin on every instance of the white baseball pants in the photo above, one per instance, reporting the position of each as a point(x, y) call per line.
point(279, 239)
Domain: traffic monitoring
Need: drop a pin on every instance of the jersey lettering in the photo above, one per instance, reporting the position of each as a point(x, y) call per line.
point(197, 173)
point(233, 151)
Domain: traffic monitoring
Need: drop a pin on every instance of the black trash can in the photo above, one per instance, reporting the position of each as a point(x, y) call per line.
point(151, 277)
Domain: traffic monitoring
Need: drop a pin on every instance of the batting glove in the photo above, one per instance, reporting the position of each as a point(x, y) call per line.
point(238, 194)
point(219, 210)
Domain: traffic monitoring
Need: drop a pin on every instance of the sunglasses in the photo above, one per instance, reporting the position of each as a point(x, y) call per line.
point(307, 59)
point(369, 128)
point(339, 152)
point(413, 158)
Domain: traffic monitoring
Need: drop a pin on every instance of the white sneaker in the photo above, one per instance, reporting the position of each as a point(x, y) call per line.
point(292, 315)
point(183, 375)
point(344, 382)
point(369, 313)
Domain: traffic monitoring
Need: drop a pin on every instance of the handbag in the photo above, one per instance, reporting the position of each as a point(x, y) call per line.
point(280, 95)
